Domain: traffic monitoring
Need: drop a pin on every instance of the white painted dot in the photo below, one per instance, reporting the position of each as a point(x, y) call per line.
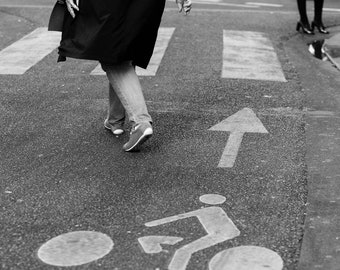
point(212, 199)
point(75, 248)
point(245, 258)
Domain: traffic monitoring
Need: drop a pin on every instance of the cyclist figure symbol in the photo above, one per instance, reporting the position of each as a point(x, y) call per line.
point(219, 228)
point(81, 247)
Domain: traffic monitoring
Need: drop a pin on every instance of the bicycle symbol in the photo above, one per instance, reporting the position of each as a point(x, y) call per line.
point(218, 226)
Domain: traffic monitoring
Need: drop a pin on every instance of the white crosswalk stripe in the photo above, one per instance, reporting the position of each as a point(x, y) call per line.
point(163, 38)
point(263, 4)
point(246, 54)
point(250, 55)
point(26, 52)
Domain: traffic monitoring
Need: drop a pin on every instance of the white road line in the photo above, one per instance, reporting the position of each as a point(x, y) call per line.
point(331, 9)
point(26, 6)
point(164, 36)
point(225, 4)
point(222, 10)
point(211, 1)
point(263, 4)
point(218, 3)
point(26, 52)
point(250, 55)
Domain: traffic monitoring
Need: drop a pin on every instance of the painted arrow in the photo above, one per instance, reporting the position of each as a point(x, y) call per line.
point(237, 124)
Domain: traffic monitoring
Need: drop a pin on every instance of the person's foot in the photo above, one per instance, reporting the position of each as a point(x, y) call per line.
point(138, 135)
point(306, 28)
point(320, 27)
point(116, 128)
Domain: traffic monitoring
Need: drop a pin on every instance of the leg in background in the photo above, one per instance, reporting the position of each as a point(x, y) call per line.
point(125, 82)
point(302, 11)
point(318, 6)
point(303, 23)
point(126, 86)
point(115, 113)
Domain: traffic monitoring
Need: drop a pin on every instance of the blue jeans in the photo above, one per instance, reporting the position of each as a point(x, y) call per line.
point(125, 94)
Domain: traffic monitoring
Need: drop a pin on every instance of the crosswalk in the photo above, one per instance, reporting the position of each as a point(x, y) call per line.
point(246, 54)
point(22, 55)
point(257, 60)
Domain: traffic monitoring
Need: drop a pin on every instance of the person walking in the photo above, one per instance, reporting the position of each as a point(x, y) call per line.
point(316, 23)
point(121, 35)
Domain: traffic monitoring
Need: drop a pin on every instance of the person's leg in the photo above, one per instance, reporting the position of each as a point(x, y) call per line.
point(115, 113)
point(318, 6)
point(302, 11)
point(126, 85)
point(125, 82)
point(303, 23)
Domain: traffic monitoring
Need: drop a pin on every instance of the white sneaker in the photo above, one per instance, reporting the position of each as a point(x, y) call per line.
point(116, 128)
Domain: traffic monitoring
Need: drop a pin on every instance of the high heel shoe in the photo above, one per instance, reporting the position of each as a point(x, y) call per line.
point(320, 27)
point(305, 28)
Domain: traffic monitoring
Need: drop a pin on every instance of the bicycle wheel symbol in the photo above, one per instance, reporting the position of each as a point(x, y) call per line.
point(245, 258)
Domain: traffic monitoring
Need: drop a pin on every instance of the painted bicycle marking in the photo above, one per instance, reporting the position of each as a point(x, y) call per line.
point(218, 226)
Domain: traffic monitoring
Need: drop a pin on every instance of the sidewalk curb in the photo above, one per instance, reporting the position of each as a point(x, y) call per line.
point(332, 47)
point(320, 248)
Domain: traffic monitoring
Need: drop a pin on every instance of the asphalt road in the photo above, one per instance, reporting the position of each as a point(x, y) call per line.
point(62, 172)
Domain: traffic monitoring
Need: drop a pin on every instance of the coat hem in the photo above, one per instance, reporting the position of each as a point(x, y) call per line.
point(62, 57)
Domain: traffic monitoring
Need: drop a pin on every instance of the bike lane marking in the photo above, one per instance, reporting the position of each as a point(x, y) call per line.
point(75, 248)
point(162, 42)
point(237, 124)
point(219, 228)
point(82, 247)
point(215, 221)
point(245, 258)
point(250, 55)
point(20, 56)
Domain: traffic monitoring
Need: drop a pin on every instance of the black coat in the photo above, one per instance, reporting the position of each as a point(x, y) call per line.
point(110, 31)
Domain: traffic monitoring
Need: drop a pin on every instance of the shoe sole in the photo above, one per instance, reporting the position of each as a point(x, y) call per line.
point(146, 135)
point(120, 131)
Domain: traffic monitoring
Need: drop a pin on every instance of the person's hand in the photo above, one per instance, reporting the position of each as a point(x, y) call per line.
point(71, 6)
point(184, 5)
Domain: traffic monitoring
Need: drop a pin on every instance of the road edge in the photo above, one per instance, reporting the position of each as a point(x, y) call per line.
point(321, 83)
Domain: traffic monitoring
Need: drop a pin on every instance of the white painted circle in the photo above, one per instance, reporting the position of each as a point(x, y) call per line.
point(75, 248)
point(212, 199)
point(245, 258)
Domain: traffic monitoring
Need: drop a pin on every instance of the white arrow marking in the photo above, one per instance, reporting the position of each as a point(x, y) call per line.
point(239, 123)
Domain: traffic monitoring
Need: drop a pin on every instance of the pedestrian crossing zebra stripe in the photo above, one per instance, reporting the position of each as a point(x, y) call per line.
point(246, 55)
point(263, 4)
point(163, 39)
point(250, 55)
point(17, 58)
